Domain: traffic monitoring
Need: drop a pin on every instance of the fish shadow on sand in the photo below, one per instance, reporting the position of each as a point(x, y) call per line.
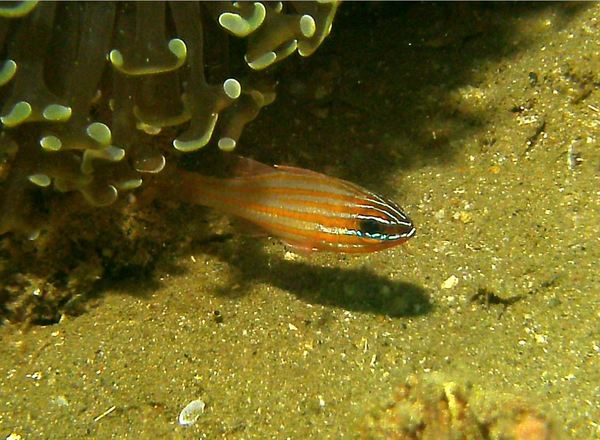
point(359, 289)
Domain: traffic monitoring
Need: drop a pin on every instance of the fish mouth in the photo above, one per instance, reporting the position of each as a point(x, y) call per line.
point(409, 232)
point(404, 235)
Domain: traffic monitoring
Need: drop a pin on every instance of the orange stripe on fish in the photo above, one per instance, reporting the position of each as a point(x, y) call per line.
point(305, 209)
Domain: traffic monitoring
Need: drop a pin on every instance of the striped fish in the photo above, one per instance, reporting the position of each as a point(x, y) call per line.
point(307, 210)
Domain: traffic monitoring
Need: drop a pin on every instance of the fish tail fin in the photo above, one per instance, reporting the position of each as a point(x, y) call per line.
point(185, 186)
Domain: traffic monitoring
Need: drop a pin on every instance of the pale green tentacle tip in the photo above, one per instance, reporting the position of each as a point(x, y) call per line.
point(195, 144)
point(151, 165)
point(116, 58)
point(108, 196)
point(232, 88)
point(308, 26)
point(262, 61)
point(99, 132)
point(112, 153)
point(19, 10)
point(40, 180)
point(34, 235)
point(227, 144)
point(147, 128)
point(176, 46)
point(306, 48)
point(50, 143)
point(129, 184)
point(179, 49)
point(7, 72)
point(259, 14)
point(287, 49)
point(19, 113)
point(234, 23)
point(57, 113)
point(241, 27)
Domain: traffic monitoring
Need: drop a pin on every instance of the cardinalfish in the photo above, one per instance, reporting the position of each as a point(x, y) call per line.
point(306, 210)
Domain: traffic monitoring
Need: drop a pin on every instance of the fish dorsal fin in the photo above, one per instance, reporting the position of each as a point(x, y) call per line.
point(245, 166)
point(332, 181)
point(296, 170)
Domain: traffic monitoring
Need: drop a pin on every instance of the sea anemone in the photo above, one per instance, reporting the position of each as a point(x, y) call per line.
point(86, 88)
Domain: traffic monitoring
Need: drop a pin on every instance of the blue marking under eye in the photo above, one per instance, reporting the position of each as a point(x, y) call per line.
point(375, 235)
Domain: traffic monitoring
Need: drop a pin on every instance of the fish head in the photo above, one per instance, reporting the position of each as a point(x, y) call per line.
point(383, 224)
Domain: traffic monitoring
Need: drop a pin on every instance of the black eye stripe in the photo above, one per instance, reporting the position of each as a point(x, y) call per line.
point(372, 227)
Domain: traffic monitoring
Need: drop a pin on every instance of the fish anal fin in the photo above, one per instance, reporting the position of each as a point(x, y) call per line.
point(249, 228)
point(300, 248)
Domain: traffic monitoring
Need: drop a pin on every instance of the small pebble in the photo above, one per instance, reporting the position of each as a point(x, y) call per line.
point(192, 411)
point(290, 256)
point(465, 217)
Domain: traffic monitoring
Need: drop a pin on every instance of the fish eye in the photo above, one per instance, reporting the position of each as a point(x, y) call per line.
point(371, 227)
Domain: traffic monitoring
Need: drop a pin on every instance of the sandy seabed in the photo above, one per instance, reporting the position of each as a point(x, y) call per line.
point(483, 122)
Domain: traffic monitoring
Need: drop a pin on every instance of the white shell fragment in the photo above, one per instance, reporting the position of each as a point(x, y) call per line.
point(192, 411)
point(450, 282)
